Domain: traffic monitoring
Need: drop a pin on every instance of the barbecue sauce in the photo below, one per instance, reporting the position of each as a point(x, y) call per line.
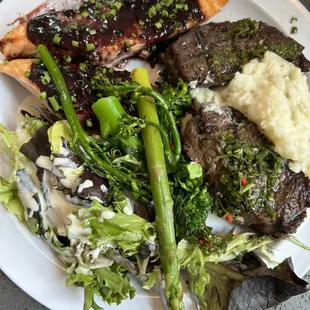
point(82, 33)
point(78, 79)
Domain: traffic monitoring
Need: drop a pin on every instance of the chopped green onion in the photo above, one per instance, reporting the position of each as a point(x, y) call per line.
point(158, 25)
point(89, 123)
point(133, 35)
point(90, 47)
point(57, 39)
point(294, 19)
point(92, 31)
point(74, 27)
point(80, 83)
point(5, 62)
point(111, 13)
point(43, 95)
point(165, 13)
point(54, 103)
point(46, 78)
point(85, 14)
point(141, 23)
point(73, 98)
point(37, 61)
point(75, 43)
point(67, 58)
point(98, 5)
point(26, 74)
point(118, 4)
point(154, 48)
point(127, 45)
point(82, 66)
point(92, 1)
point(152, 11)
point(294, 30)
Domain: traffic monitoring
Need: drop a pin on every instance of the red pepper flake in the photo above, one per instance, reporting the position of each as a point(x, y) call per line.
point(228, 218)
point(202, 241)
point(244, 181)
point(171, 146)
point(192, 107)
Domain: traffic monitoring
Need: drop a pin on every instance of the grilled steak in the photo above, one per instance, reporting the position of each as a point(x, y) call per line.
point(245, 176)
point(106, 31)
point(213, 53)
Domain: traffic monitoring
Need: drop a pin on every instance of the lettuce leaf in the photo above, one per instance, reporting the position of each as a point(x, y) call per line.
point(56, 133)
point(32, 124)
point(153, 278)
point(128, 232)
point(217, 286)
point(10, 199)
point(111, 284)
point(10, 147)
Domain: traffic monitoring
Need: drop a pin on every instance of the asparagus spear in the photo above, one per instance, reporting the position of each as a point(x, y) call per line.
point(161, 194)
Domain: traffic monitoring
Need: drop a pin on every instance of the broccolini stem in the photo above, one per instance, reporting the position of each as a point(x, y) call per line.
point(109, 112)
point(158, 100)
point(82, 142)
point(161, 194)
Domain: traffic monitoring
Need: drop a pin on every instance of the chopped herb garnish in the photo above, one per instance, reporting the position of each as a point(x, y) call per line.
point(54, 103)
point(83, 66)
point(294, 19)
point(89, 123)
point(141, 23)
point(165, 13)
point(118, 4)
point(98, 5)
point(57, 39)
point(127, 45)
point(46, 78)
point(43, 95)
point(294, 30)
point(152, 11)
point(90, 47)
point(37, 61)
point(158, 25)
point(27, 74)
point(85, 14)
point(5, 62)
point(67, 58)
point(92, 31)
point(75, 43)
point(73, 99)
point(74, 26)
point(111, 13)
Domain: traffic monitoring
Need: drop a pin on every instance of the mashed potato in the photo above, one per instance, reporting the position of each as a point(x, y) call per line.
point(274, 94)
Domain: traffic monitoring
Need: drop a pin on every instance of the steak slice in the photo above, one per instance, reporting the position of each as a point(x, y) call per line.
point(245, 176)
point(213, 53)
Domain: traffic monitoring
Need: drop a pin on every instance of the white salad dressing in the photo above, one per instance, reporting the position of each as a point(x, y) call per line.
point(29, 186)
point(106, 215)
point(86, 184)
point(76, 232)
point(45, 163)
point(104, 189)
point(59, 206)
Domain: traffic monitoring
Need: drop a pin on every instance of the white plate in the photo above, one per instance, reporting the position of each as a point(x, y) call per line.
point(29, 262)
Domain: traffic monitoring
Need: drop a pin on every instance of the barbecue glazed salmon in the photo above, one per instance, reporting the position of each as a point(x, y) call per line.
point(105, 32)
